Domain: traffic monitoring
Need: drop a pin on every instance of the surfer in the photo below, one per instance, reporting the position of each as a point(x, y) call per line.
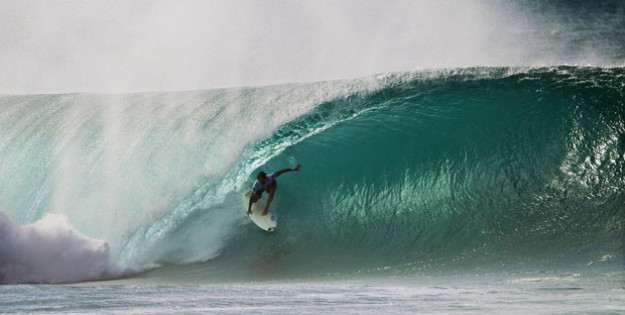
point(267, 183)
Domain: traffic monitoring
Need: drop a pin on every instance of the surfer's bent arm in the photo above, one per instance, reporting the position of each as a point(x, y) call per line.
point(282, 171)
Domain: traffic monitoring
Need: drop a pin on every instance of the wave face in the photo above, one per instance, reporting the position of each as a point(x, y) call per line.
point(481, 167)
point(401, 172)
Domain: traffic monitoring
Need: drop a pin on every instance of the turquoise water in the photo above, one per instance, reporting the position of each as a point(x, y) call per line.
point(474, 190)
point(475, 169)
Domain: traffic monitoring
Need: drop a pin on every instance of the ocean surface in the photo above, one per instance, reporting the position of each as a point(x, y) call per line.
point(484, 190)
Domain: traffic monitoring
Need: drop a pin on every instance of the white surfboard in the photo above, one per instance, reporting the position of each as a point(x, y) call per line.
point(267, 222)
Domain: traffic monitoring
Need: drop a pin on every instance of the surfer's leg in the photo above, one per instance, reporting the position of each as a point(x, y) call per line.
point(271, 190)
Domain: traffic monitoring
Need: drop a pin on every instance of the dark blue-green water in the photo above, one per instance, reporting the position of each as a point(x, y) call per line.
point(478, 169)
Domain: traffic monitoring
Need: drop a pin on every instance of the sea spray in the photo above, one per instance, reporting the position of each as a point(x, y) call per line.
point(51, 251)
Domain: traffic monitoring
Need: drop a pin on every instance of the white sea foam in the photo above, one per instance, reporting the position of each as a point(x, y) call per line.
point(51, 251)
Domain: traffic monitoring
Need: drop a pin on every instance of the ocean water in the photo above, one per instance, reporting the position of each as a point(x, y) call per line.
point(459, 190)
point(473, 294)
point(427, 191)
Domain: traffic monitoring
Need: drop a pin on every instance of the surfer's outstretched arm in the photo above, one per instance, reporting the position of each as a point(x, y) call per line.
point(282, 171)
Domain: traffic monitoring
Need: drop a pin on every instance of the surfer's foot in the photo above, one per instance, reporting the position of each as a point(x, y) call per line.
point(249, 212)
point(265, 212)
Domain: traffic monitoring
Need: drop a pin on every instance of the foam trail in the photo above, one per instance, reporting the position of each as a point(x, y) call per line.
point(51, 251)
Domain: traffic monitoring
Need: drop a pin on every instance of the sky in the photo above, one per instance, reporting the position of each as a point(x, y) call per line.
point(111, 46)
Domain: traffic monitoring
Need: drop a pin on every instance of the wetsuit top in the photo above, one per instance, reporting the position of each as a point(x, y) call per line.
point(270, 180)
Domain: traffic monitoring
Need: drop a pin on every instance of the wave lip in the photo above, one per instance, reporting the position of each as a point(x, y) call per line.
point(51, 251)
